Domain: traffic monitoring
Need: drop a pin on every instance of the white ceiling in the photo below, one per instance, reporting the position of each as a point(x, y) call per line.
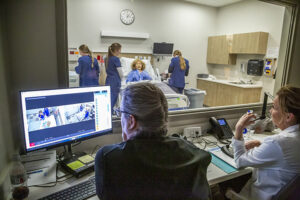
point(214, 3)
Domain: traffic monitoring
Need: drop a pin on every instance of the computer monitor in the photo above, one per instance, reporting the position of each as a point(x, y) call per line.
point(62, 116)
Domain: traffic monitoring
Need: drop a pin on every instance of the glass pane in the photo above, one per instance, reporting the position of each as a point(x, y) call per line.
point(231, 49)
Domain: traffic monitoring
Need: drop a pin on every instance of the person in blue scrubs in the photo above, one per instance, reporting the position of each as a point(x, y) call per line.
point(138, 73)
point(88, 71)
point(114, 72)
point(41, 115)
point(46, 112)
point(179, 68)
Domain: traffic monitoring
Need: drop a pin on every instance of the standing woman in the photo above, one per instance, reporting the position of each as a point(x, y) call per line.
point(113, 71)
point(179, 68)
point(88, 68)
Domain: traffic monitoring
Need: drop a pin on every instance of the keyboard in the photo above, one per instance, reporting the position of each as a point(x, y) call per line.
point(80, 191)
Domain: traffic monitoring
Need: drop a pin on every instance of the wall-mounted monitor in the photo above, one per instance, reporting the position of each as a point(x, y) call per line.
point(163, 49)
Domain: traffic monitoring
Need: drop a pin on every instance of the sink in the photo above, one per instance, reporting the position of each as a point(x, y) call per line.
point(240, 83)
point(237, 82)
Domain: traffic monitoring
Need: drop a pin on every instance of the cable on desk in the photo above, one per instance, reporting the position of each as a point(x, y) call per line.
point(94, 150)
point(54, 183)
point(207, 142)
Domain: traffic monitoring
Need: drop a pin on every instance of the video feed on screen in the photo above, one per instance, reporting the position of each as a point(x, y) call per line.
point(42, 118)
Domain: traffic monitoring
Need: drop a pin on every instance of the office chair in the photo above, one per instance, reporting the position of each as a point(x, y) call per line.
point(290, 191)
point(230, 194)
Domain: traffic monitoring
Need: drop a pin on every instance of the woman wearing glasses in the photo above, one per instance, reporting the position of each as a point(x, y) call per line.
point(276, 160)
point(148, 164)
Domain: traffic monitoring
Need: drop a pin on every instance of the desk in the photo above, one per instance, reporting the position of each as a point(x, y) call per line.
point(214, 174)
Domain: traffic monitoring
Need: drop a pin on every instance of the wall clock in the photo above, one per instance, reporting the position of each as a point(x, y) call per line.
point(127, 16)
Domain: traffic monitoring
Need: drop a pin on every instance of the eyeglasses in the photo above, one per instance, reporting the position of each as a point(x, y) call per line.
point(118, 112)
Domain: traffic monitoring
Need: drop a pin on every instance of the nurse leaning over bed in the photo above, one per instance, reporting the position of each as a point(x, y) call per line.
point(113, 71)
point(138, 73)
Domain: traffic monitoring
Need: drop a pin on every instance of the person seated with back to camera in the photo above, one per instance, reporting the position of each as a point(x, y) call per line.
point(276, 160)
point(138, 72)
point(148, 164)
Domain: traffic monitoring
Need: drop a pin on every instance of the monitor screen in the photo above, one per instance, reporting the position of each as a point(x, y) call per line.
point(222, 122)
point(56, 117)
point(163, 48)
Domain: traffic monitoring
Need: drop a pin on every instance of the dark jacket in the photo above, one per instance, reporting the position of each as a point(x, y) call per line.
point(164, 168)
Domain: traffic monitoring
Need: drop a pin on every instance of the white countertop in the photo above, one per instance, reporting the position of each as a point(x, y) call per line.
point(227, 82)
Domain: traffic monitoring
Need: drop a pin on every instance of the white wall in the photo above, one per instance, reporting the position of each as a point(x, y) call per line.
point(184, 24)
point(249, 16)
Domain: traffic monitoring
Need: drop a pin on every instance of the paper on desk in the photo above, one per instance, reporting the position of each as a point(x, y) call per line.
point(217, 152)
point(40, 167)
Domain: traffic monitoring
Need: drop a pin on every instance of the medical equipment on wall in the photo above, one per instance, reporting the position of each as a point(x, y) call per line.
point(269, 66)
point(255, 67)
point(73, 54)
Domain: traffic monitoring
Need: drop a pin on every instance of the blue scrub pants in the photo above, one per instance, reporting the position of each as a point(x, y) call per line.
point(114, 97)
point(177, 90)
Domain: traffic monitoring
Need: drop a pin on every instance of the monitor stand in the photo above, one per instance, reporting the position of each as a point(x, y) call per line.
point(78, 163)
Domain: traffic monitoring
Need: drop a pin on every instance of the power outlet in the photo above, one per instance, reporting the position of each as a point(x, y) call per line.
point(192, 132)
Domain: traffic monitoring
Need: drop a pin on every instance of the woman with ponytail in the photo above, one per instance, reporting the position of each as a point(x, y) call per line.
point(113, 71)
point(179, 68)
point(88, 68)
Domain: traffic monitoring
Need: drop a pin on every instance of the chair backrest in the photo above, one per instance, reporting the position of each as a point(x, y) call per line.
point(290, 191)
point(151, 170)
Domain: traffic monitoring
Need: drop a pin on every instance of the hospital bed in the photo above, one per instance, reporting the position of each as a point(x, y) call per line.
point(175, 101)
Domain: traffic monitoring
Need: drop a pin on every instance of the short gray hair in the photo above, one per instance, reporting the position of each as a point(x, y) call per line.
point(148, 104)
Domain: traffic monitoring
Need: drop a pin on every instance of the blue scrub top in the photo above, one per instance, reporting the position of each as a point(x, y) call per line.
point(113, 78)
point(88, 76)
point(135, 75)
point(46, 112)
point(177, 77)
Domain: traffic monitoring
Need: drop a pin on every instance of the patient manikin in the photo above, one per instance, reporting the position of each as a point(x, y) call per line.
point(138, 73)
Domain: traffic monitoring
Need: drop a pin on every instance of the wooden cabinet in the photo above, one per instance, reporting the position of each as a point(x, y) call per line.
point(218, 50)
point(220, 94)
point(250, 43)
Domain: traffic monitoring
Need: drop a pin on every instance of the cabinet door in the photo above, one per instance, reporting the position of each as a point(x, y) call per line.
point(250, 43)
point(211, 89)
point(218, 49)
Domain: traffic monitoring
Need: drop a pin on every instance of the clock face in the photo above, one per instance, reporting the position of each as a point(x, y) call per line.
point(127, 16)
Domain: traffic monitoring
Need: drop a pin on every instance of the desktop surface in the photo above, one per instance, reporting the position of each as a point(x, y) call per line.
point(215, 175)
